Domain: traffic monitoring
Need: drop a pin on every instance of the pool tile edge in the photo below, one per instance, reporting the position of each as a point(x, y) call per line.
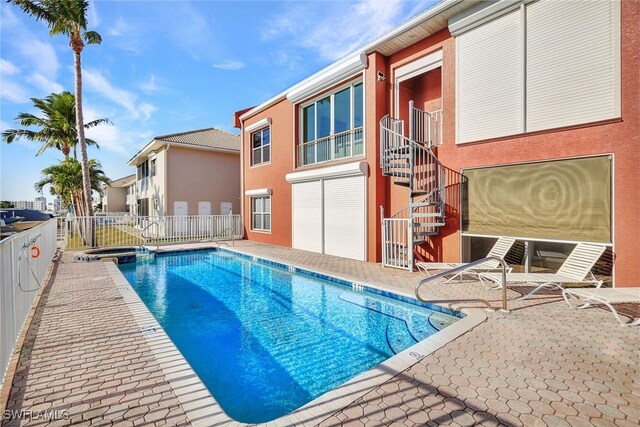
point(368, 380)
point(185, 383)
point(209, 412)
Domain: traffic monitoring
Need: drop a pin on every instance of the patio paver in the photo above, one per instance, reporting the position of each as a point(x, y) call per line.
point(541, 364)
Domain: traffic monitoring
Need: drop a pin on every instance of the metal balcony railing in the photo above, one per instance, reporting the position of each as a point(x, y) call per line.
point(333, 147)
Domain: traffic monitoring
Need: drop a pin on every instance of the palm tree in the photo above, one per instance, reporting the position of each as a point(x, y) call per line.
point(69, 18)
point(66, 181)
point(56, 127)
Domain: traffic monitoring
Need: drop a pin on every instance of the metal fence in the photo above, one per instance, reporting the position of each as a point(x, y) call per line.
point(25, 258)
point(125, 230)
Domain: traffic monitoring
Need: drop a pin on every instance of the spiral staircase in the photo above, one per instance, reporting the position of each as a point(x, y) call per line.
point(411, 162)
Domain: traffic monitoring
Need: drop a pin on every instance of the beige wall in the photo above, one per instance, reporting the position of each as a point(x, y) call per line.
point(114, 199)
point(156, 185)
point(202, 176)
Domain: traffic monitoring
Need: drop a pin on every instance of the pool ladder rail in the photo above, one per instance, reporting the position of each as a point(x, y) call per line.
point(503, 267)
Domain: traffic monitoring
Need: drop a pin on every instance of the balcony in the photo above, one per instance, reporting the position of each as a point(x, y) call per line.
point(333, 147)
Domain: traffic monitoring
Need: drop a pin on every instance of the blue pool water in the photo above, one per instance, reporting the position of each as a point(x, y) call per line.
point(264, 340)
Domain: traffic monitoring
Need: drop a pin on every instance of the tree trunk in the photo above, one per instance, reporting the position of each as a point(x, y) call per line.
point(86, 178)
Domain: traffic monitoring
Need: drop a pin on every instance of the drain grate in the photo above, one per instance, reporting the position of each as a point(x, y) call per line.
point(148, 331)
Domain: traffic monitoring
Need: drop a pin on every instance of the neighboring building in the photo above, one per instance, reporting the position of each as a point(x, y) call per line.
point(131, 199)
point(55, 205)
point(23, 204)
point(189, 173)
point(524, 123)
point(37, 205)
point(40, 205)
point(114, 198)
point(42, 199)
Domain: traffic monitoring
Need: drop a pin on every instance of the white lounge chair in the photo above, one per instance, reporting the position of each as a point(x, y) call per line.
point(575, 269)
point(499, 249)
point(607, 296)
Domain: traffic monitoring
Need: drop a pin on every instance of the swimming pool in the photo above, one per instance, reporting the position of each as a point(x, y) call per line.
point(266, 340)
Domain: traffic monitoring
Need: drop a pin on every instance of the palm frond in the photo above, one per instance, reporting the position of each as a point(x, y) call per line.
point(92, 37)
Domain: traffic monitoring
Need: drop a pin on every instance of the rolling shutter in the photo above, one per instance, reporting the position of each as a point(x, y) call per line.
point(307, 216)
point(566, 200)
point(344, 217)
point(490, 79)
point(572, 63)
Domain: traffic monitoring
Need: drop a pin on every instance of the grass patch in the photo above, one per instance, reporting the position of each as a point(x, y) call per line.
point(107, 235)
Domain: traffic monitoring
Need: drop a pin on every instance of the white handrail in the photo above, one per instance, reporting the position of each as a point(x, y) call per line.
point(503, 266)
point(331, 147)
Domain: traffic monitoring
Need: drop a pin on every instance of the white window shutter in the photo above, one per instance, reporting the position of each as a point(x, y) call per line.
point(573, 71)
point(307, 215)
point(490, 80)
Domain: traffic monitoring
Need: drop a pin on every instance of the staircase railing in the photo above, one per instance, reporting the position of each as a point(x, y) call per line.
point(405, 159)
point(425, 127)
point(415, 166)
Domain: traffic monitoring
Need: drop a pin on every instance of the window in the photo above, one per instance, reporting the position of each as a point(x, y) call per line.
point(153, 167)
point(143, 169)
point(261, 213)
point(332, 126)
point(261, 146)
point(143, 207)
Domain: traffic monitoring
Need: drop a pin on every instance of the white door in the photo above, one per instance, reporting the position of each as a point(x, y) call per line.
point(344, 217)
point(306, 199)
point(226, 208)
point(180, 212)
point(204, 208)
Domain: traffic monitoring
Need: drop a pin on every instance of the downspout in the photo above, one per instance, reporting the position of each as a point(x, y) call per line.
point(165, 202)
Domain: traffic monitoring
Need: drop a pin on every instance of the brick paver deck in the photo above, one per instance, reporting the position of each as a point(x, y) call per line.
point(541, 364)
point(84, 358)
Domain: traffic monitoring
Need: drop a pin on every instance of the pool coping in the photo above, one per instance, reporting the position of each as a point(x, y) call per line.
point(200, 406)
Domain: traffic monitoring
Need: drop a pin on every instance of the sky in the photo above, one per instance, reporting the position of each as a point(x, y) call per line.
point(172, 66)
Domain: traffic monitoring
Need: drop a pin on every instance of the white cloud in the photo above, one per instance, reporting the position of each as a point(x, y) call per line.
point(41, 56)
point(125, 36)
point(92, 16)
point(333, 29)
point(44, 84)
point(151, 85)
point(119, 28)
point(13, 92)
point(4, 126)
point(6, 67)
point(115, 137)
point(229, 64)
point(96, 82)
point(147, 109)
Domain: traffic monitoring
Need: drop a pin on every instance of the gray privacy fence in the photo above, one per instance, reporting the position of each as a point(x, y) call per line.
point(24, 260)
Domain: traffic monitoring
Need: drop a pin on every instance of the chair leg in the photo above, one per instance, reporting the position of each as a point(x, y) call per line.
point(617, 316)
point(495, 286)
point(595, 300)
point(544, 285)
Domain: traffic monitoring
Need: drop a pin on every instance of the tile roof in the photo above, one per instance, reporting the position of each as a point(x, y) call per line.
point(211, 138)
point(121, 182)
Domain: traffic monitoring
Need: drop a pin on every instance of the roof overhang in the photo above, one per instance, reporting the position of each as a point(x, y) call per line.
point(421, 26)
point(157, 144)
point(331, 75)
point(144, 153)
